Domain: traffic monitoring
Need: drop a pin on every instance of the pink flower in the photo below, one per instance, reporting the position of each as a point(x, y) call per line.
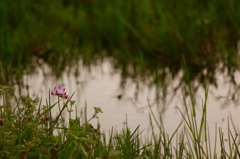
point(46, 118)
point(59, 91)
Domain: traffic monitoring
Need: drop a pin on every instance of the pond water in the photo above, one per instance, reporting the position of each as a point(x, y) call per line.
point(100, 88)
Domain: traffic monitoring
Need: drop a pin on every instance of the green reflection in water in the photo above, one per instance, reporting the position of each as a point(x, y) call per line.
point(144, 39)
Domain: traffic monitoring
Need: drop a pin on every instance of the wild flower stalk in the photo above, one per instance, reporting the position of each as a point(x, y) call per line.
point(46, 118)
point(60, 92)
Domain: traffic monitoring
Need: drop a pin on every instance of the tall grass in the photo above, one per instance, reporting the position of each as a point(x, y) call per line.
point(28, 130)
point(141, 37)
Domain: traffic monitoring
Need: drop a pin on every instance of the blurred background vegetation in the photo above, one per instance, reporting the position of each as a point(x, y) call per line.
point(145, 40)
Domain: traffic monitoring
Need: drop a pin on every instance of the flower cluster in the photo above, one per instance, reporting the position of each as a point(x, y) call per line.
point(59, 91)
point(46, 118)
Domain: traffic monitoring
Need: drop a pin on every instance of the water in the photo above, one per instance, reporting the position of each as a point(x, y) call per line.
point(100, 88)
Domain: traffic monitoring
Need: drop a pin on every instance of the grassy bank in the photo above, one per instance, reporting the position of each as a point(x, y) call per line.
point(28, 129)
point(143, 38)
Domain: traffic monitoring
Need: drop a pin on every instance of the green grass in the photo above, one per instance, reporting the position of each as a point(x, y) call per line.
point(142, 37)
point(145, 41)
point(24, 134)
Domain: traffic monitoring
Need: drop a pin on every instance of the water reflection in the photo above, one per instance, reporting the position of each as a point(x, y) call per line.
point(101, 88)
point(143, 60)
